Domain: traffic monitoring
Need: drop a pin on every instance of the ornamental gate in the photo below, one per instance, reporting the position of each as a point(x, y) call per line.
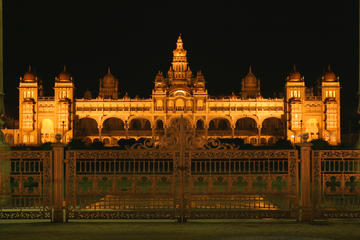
point(25, 184)
point(181, 176)
point(336, 183)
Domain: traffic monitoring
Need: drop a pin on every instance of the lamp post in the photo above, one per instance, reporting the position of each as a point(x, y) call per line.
point(63, 126)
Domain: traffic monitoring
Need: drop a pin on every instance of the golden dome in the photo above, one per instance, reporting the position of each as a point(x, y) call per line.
point(250, 80)
point(108, 80)
point(64, 75)
point(295, 75)
point(329, 75)
point(29, 76)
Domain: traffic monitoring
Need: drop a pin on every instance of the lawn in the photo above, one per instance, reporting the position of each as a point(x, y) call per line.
point(217, 230)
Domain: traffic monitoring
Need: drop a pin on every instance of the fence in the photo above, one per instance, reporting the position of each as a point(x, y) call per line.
point(183, 176)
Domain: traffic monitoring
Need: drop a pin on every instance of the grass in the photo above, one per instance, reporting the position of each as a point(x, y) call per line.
point(219, 230)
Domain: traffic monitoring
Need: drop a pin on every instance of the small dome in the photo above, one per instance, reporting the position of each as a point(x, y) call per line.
point(250, 80)
point(329, 75)
point(294, 75)
point(64, 75)
point(108, 80)
point(29, 76)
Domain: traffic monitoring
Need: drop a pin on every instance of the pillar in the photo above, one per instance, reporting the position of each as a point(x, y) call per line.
point(305, 183)
point(259, 134)
point(58, 149)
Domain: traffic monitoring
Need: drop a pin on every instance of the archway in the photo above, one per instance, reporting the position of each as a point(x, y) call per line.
point(312, 127)
point(87, 127)
point(140, 124)
point(47, 130)
point(113, 127)
point(159, 125)
point(219, 124)
point(246, 127)
point(199, 124)
point(272, 127)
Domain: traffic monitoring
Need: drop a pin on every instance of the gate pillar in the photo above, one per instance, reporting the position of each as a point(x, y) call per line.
point(58, 194)
point(306, 206)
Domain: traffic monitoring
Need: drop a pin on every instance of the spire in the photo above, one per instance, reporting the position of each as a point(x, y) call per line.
point(250, 71)
point(179, 43)
point(29, 68)
point(294, 68)
point(64, 70)
point(329, 68)
point(109, 72)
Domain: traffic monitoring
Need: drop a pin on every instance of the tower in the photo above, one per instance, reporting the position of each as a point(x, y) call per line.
point(179, 73)
point(28, 107)
point(330, 96)
point(294, 105)
point(108, 86)
point(250, 86)
point(64, 105)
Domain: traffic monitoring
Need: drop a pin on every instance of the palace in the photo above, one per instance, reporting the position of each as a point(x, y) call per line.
point(108, 117)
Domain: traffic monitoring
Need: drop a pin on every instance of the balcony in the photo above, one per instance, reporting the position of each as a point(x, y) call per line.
point(220, 133)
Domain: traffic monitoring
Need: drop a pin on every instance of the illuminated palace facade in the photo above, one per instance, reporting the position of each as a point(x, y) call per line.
point(108, 117)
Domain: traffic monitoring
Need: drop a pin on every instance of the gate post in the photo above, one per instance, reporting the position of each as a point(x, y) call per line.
point(306, 208)
point(58, 176)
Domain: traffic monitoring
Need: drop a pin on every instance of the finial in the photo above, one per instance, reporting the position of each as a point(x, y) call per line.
point(294, 68)
point(64, 68)
point(250, 71)
point(29, 68)
point(109, 70)
point(329, 68)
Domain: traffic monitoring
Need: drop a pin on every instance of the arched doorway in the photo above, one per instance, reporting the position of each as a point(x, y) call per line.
point(140, 127)
point(312, 127)
point(113, 127)
point(159, 125)
point(219, 127)
point(273, 127)
point(47, 131)
point(87, 127)
point(200, 124)
point(246, 127)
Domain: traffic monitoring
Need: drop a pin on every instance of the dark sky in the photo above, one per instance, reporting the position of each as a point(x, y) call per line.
point(137, 40)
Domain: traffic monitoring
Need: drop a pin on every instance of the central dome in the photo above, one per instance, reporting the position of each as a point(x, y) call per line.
point(250, 81)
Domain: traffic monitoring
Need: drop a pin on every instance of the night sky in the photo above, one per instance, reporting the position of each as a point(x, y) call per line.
point(222, 40)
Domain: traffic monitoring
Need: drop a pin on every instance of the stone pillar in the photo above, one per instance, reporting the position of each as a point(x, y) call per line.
point(305, 185)
point(126, 129)
point(232, 132)
point(58, 195)
point(259, 134)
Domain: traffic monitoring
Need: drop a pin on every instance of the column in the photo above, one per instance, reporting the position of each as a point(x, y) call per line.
point(58, 194)
point(259, 134)
point(305, 207)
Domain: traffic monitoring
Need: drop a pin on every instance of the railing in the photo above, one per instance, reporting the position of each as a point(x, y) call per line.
point(220, 133)
point(139, 133)
point(336, 183)
point(25, 180)
point(144, 182)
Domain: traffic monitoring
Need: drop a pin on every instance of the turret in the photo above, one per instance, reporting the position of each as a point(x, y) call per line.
point(28, 99)
point(330, 95)
point(64, 104)
point(294, 105)
point(108, 86)
point(250, 86)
